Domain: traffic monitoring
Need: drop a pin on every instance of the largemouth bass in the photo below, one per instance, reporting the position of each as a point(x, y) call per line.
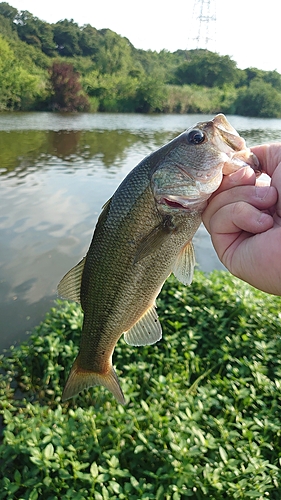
point(143, 235)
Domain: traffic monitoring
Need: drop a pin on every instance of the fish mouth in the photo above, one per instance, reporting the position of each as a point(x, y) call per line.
point(229, 134)
point(234, 146)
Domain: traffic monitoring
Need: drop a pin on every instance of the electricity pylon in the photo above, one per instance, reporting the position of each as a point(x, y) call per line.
point(202, 33)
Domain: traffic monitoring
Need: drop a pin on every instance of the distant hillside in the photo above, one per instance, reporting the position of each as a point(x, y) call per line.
point(64, 66)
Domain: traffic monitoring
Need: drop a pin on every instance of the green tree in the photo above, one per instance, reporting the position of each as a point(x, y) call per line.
point(274, 78)
point(114, 54)
point(111, 93)
point(208, 69)
point(7, 16)
point(8, 11)
point(151, 95)
point(164, 63)
point(259, 99)
point(35, 32)
point(124, 93)
point(6, 28)
point(18, 88)
point(89, 40)
point(67, 38)
point(252, 74)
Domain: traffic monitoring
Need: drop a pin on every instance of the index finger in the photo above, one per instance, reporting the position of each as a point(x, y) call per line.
point(269, 156)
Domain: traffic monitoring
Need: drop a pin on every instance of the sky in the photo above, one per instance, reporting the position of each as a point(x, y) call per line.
point(246, 30)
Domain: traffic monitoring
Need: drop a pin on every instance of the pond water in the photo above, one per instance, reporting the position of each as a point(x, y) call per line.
point(56, 172)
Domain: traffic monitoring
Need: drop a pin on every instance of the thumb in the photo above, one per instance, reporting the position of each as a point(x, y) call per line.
point(269, 156)
point(276, 182)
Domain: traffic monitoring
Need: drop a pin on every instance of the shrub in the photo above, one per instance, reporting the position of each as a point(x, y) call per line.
point(67, 90)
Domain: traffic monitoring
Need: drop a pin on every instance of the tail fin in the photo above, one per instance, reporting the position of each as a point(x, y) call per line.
point(83, 379)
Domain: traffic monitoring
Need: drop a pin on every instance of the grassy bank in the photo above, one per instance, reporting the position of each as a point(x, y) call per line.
point(202, 419)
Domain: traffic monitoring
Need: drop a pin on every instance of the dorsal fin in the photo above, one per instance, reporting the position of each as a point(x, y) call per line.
point(147, 330)
point(184, 265)
point(70, 285)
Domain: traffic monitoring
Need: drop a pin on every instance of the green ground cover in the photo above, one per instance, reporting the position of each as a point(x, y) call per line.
point(202, 419)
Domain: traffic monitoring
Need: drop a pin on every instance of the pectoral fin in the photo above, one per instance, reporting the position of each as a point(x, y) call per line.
point(155, 239)
point(146, 331)
point(184, 265)
point(70, 285)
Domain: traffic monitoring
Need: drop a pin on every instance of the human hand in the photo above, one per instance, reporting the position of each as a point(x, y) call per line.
point(244, 220)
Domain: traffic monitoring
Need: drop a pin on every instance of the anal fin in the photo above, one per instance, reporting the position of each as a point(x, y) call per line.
point(146, 331)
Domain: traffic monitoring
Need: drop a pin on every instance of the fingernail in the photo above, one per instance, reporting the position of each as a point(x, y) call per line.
point(264, 219)
point(261, 192)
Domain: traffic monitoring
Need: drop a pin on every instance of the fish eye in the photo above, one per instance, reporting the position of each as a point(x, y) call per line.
point(195, 136)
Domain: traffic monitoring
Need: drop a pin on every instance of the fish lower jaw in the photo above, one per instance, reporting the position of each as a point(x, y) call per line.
point(186, 204)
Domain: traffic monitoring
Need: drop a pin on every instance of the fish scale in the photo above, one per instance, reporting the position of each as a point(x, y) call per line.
point(142, 235)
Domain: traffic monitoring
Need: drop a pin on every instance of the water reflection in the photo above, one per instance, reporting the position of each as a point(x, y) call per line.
point(25, 151)
point(56, 172)
point(260, 136)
